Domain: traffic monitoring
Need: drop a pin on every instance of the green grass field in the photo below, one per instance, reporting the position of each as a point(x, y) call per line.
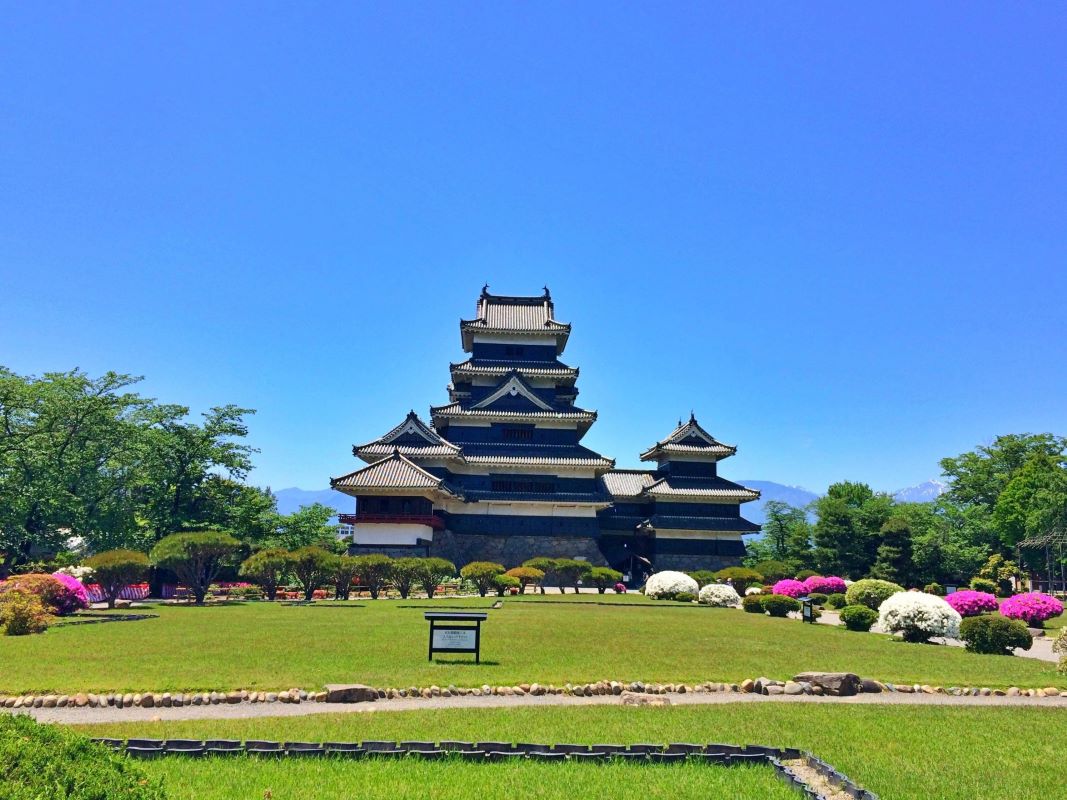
point(553, 639)
point(899, 752)
point(226, 779)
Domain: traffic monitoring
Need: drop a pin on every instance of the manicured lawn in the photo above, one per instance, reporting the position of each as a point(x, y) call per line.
point(899, 752)
point(268, 646)
point(227, 778)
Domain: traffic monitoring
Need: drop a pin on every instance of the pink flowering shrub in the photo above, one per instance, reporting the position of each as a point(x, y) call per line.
point(56, 595)
point(790, 588)
point(969, 603)
point(829, 584)
point(1032, 608)
point(76, 587)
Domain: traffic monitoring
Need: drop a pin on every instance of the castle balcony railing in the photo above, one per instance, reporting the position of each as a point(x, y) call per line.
point(432, 520)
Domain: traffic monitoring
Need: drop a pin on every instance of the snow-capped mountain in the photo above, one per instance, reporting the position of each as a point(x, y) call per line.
point(925, 492)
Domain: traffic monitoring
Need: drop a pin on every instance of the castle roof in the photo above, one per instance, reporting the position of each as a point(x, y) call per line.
point(412, 437)
point(515, 315)
point(689, 439)
point(496, 369)
point(394, 474)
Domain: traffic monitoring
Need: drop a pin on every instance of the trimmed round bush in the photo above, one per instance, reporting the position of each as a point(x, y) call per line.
point(836, 601)
point(984, 585)
point(970, 603)
point(49, 761)
point(917, 616)
point(75, 586)
point(702, 576)
point(56, 595)
point(684, 597)
point(825, 584)
point(1060, 648)
point(804, 574)
point(505, 583)
point(1033, 608)
point(773, 570)
point(789, 588)
point(871, 592)
point(719, 595)
point(858, 618)
point(753, 603)
point(482, 574)
point(818, 598)
point(22, 613)
point(114, 570)
point(992, 634)
point(668, 584)
point(934, 588)
point(779, 605)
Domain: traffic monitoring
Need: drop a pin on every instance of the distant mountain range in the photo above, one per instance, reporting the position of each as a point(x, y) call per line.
point(292, 499)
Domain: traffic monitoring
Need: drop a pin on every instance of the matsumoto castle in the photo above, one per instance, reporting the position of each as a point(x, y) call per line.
point(500, 473)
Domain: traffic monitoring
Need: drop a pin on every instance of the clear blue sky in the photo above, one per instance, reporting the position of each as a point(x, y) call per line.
point(836, 232)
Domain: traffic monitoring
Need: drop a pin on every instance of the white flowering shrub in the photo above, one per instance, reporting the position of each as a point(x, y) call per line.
point(751, 590)
point(917, 616)
point(720, 595)
point(667, 584)
point(82, 574)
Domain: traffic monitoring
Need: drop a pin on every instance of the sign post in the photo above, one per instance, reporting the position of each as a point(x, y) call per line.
point(456, 638)
point(807, 610)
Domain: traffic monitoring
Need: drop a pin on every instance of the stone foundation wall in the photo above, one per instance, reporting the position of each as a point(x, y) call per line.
point(511, 551)
point(395, 551)
point(691, 563)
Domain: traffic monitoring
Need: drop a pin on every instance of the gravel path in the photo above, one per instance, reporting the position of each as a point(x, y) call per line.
point(1041, 649)
point(76, 716)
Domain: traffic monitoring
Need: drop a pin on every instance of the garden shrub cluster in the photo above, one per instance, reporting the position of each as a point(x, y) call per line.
point(667, 585)
point(1033, 608)
point(47, 762)
point(22, 613)
point(684, 597)
point(984, 585)
point(753, 604)
point(739, 577)
point(719, 595)
point(917, 617)
point(779, 605)
point(1060, 648)
point(992, 634)
point(59, 598)
point(871, 592)
point(836, 601)
point(969, 603)
point(825, 584)
point(858, 618)
point(789, 587)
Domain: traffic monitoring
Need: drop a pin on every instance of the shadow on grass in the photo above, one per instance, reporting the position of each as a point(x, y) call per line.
point(457, 662)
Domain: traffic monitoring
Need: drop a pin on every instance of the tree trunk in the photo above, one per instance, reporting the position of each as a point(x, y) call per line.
point(199, 592)
point(272, 592)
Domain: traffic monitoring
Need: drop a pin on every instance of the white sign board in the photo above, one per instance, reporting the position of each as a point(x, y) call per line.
point(453, 639)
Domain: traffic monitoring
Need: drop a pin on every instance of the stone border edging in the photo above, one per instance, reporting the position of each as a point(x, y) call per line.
point(830, 684)
point(813, 777)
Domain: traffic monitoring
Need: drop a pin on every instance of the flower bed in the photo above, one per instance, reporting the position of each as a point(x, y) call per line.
point(969, 603)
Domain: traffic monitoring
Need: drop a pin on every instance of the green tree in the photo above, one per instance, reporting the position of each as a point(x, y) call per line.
point(431, 572)
point(979, 476)
point(1033, 501)
point(786, 535)
point(603, 578)
point(893, 562)
point(344, 570)
point(847, 531)
point(267, 569)
point(312, 565)
point(481, 574)
point(405, 574)
point(545, 565)
point(195, 557)
point(114, 570)
point(374, 571)
point(310, 525)
point(571, 571)
point(525, 576)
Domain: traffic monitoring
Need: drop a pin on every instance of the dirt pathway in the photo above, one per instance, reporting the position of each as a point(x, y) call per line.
point(77, 716)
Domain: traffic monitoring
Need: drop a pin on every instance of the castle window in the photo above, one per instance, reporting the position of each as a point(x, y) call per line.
point(512, 434)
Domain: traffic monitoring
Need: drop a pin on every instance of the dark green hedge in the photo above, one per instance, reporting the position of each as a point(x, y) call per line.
point(46, 762)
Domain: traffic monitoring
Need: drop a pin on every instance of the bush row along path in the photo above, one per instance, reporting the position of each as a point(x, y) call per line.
point(1041, 649)
point(79, 716)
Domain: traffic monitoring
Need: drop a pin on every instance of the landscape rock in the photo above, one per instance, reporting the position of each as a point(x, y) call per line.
point(793, 688)
point(836, 684)
point(350, 693)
